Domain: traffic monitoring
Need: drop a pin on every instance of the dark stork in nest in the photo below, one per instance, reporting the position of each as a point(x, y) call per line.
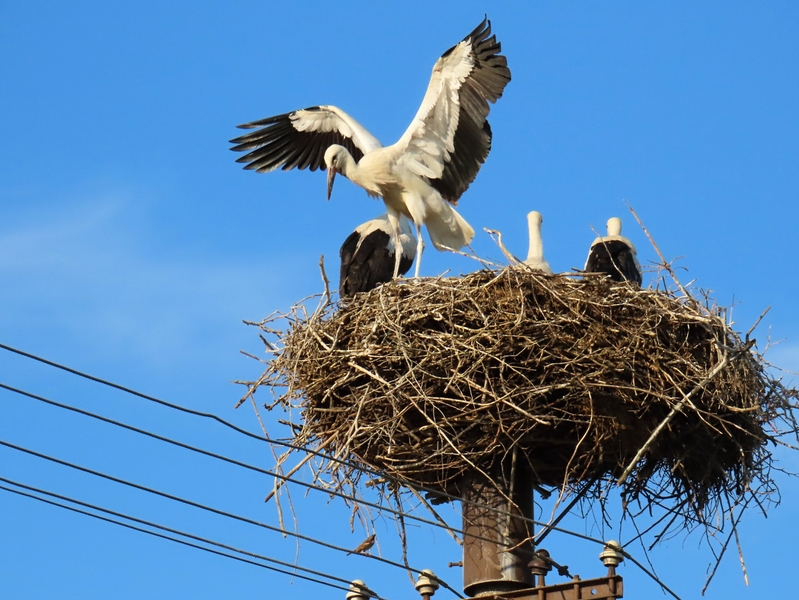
point(368, 255)
point(614, 255)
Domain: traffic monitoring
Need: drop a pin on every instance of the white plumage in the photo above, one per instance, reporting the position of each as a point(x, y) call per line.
point(535, 255)
point(423, 175)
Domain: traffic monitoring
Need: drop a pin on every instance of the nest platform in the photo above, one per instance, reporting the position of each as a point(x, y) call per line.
point(427, 381)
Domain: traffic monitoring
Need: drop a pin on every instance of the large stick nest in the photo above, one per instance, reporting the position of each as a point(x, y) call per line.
point(429, 381)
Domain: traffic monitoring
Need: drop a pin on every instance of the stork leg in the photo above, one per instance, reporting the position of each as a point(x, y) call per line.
point(393, 220)
point(397, 255)
point(419, 249)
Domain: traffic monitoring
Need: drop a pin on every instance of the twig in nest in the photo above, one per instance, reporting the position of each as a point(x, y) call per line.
point(482, 261)
point(280, 482)
point(438, 518)
point(326, 298)
point(498, 241)
point(677, 408)
point(665, 264)
point(726, 543)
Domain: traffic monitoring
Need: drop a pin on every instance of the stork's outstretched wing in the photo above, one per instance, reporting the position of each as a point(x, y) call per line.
point(300, 138)
point(449, 138)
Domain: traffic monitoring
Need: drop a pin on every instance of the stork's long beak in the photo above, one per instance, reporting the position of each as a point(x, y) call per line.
point(331, 176)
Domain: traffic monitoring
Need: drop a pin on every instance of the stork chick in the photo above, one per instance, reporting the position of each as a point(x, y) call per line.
point(614, 255)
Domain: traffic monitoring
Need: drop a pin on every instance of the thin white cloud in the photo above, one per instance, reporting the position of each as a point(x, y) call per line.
point(89, 273)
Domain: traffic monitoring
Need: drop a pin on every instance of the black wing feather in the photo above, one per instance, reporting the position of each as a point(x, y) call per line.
point(365, 267)
point(279, 144)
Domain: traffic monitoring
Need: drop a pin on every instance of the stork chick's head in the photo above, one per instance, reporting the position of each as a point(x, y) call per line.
point(534, 220)
point(614, 226)
point(334, 160)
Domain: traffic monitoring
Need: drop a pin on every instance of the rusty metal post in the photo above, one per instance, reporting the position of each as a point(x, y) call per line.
point(500, 564)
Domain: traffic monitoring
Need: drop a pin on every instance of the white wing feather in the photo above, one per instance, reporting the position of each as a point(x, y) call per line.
point(300, 138)
point(330, 118)
point(426, 145)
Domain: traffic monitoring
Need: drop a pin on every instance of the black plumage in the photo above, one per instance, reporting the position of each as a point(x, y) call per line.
point(615, 258)
point(279, 143)
point(367, 256)
point(614, 255)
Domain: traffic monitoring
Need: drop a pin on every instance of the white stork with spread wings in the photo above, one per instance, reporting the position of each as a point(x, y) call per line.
point(424, 174)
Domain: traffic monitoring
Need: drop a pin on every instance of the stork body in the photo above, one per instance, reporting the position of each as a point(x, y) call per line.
point(535, 255)
point(368, 255)
point(423, 175)
point(614, 255)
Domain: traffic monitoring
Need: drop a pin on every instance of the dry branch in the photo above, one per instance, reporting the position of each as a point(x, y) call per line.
point(429, 380)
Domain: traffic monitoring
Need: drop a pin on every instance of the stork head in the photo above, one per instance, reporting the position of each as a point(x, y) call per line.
point(334, 157)
point(614, 226)
point(534, 220)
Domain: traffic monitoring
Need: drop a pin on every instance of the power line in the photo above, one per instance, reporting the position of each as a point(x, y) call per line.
point(243, 465)
point(652, 575)
point(226, 459)
point(163, 528)
point(330, 458)
point(220, 420)
point(322, 455)
point(166, 537)
point(215, 510)
point(134, 392)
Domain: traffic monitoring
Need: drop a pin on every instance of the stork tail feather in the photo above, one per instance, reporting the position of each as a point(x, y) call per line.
point(445, 226)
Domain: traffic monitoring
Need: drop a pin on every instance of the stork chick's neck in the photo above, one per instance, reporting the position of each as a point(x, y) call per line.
point(614, 227)
point(536, 251)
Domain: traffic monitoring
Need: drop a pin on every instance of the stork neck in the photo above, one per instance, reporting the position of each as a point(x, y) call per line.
point(536, 251)
point(362, 173)
point(614, 227)
point(348, 167)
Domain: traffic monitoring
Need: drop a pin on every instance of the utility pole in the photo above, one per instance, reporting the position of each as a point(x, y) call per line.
point(501, 564)
point(500, 560)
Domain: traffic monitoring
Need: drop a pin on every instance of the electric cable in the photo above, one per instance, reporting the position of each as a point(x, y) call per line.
point(179, 541)
point(322, 455)
point(170, 530)
point(653, 576)
point(326, 457)
point(238, 463)
point(221, 421)
point(139, 394)
point(215, 510)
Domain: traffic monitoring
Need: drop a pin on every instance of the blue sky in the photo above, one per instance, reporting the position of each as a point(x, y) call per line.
point(132, 245)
